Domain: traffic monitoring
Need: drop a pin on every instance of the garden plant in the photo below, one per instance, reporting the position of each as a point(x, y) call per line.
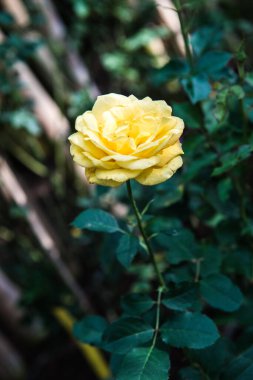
point(126, 224)
point(125, 139)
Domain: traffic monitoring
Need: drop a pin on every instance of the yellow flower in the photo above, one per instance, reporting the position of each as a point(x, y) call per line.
point(124, 137)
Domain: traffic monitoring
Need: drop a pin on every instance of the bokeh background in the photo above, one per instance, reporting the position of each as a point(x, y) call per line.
point(56, 57)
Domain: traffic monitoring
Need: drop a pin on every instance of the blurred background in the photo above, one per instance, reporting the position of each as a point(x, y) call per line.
point(56, 57)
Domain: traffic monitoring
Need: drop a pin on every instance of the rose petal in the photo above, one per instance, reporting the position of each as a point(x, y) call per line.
point(119, 175)
point(79, 140)
point(169, 153)
point(90, 174)
point(120, 157)
point(153, 176)
point(99, 163)
point(86, 121)
point(79, 158)
point(140, 164)
point(106, 102)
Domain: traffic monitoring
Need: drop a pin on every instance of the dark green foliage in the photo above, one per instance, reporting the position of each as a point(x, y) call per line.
point(200, 236)
point(90, 329)
point(175, 69)
point(214, 358)
point(135, 303)
point(210, 260)
point(125, 334)
point(211, 62)
point(189, 373)
point(185, 297)
point(96, 220)
point(205, 38)
point(241, 367)
point(218, 291)
point(232, 159)
point(188, 113)
point(144, 364)
point(127, 249)
point(181, 246)
point(191, 330)
point(197, 87)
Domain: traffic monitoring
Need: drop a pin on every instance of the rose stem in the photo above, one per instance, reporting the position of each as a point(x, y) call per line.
point(184, 33)
point(144, 235)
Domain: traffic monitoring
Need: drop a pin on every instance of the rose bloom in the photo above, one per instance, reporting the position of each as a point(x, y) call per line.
point(124, 138)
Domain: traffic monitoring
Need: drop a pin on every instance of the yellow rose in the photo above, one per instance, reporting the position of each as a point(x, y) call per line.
point(124, 137)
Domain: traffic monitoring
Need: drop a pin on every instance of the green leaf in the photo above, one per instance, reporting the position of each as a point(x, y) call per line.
point(212, 61)
point(81, 9)
point(96, 220)
point(189, 373)
point(191, 330)
point(175, 69)
point(219, 292)
point(189, 113)
point(115, 61)
point(107, 257)
point(115, 363)
point(25, 119)
point(90, 329)
point(196, 87)
point(199, 165)
point(248, 107)
point(249, 78)
point(144, 37)
point(127, 249)
point(127, 333)
point(183, 298)
point(168, 193)
point(232, 159)
point(204, 38)
point(137, 303)
point(211, 262)
point(238, 91)
point(240, 368)
point(6, 19)
point(224, 188)
point(180, 246)
point(145, 364)
point(239, 262)
point(212, 359)
point(165, 226)
point(179, 275)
